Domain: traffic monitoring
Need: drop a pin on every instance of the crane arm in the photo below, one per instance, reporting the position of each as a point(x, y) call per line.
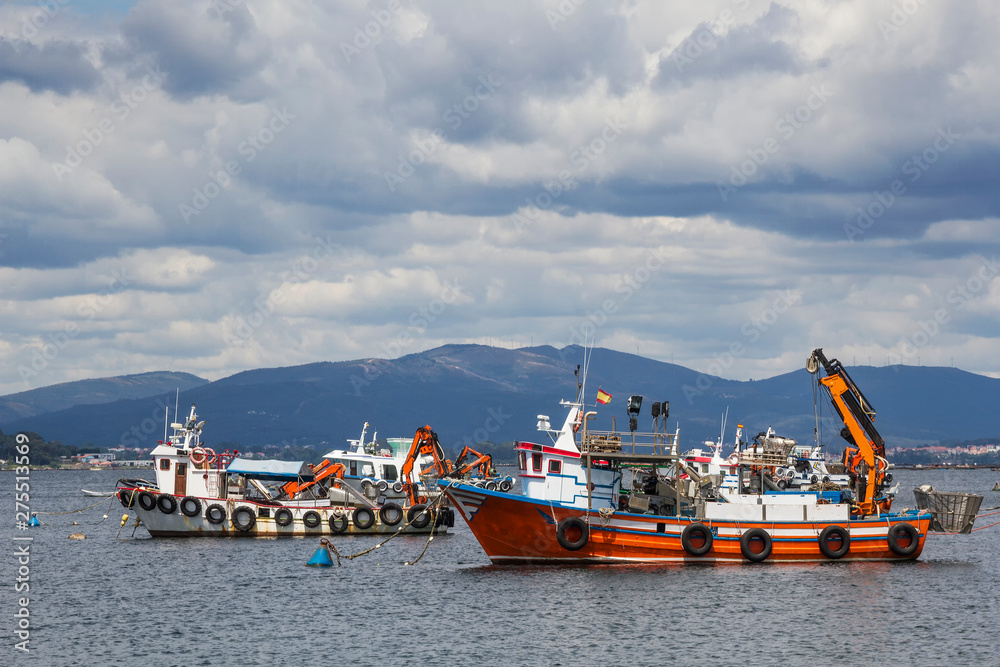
point(425, 443)
point(869, 465)
point(480, 463)
point(325, 469)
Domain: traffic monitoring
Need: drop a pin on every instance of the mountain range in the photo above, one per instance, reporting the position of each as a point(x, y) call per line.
point(476, 393)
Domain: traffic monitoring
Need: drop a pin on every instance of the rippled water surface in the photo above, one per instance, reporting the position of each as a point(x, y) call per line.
point(139, 601)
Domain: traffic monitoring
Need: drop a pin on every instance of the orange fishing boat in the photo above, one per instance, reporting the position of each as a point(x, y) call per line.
point(594, 497)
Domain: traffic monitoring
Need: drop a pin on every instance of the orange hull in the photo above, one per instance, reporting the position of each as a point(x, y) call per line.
point(516, 529)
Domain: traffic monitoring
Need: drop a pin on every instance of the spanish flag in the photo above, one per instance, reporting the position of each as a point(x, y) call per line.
point(603, 396)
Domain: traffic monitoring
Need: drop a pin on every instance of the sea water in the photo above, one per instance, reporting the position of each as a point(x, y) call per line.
point(121, 598)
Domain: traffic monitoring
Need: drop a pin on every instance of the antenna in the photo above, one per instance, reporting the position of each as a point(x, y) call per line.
point(166, 418)
point(177, 399)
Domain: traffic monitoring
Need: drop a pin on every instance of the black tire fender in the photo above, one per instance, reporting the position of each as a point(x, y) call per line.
point(749, 536)
point(241, 525)
point(215, 514)
point(363, 518)
point(311, 519)
point(283, 516)
point(894, 534)
point(167, 503)
point(337, 523)
point(127, 497)
point(190, 507)
point(147, 501)
point(694, 529)
point(418, 516)
point(390, 514)
point(824, 542)
point(572, 522)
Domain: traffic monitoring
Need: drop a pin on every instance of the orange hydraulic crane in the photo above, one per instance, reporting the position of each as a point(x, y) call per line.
point(865, 458)
point(425, 443)
point(322, 471)
point(480, 463)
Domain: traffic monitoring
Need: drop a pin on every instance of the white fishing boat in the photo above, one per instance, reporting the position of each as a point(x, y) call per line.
point(377, 469)
point(199, 492)
point(97, 494)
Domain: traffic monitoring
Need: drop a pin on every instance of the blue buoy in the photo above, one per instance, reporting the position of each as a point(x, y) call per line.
point(321, 558)
point(34, 521)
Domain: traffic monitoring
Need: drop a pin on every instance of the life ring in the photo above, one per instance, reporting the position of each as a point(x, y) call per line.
point(894, 535)
point(127, 498)
point(166, 503)
point(190, 506)
point(198, 457)
point(733, 459)
point(572, 523)
point(311, 519)
point(147, 501)
point(215, 514)
point(337, 523)
point(390, 514)
point(697, 529)
point(210, 456)
point(839, 534)
point(418, 516)
point(748, 537)
point(283, 516)
point(239, 524)
point(363, 518)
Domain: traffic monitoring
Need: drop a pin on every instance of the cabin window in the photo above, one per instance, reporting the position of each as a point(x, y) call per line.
point(555, 466)
point(164, 464)
point(536, 462)
point(704, 468)
point(522, 461)
point(389, 473)
point(354, 468)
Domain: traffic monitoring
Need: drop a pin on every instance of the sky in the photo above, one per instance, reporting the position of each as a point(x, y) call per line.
point(211, 186)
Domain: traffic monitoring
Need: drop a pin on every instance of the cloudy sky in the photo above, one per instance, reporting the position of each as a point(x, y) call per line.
point(215, 185)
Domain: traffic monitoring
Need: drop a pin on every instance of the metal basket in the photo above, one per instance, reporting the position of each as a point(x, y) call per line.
point(950, 512)
point(771, 451)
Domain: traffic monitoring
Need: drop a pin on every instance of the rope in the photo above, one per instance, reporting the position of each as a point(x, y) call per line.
point(75, 511)
point(971, 531)
point(430, 508)
point(978, 516)
point(131, 502)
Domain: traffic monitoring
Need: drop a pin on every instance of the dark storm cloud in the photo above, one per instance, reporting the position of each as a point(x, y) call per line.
point(56, 65)
point(216, 51)
point(713, 52)
point(532, 58)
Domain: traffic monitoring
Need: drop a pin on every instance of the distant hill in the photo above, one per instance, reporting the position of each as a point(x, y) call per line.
point(91, 392)
point(473, 393)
